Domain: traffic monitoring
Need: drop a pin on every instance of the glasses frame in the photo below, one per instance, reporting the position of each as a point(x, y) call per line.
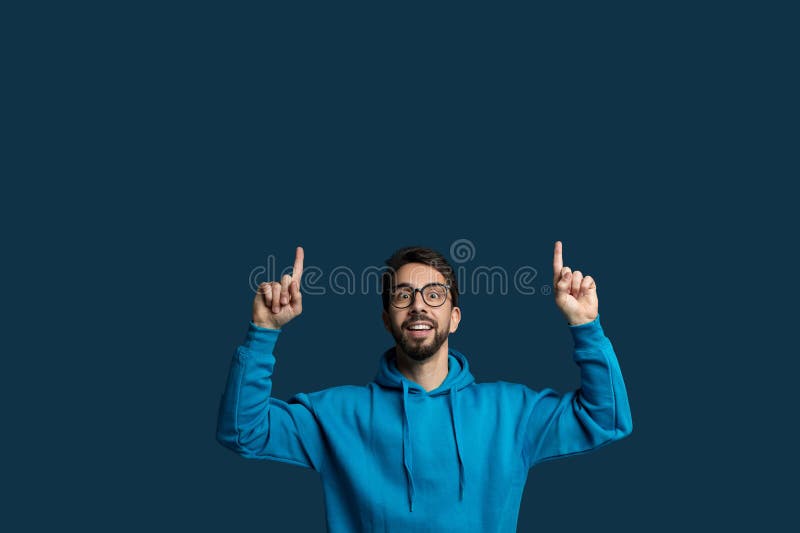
point(419, 290)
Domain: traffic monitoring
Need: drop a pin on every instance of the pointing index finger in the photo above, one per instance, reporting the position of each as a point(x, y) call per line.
point(558, 261)
point(297, 271)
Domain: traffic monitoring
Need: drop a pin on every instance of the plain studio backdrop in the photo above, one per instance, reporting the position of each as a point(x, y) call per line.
point(156, 157)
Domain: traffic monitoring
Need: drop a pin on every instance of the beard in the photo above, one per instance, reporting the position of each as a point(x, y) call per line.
point(419, 349)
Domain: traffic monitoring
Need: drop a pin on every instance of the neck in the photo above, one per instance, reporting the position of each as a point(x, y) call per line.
point(428, 374)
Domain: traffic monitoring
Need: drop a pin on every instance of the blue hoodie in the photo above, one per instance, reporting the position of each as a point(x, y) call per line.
point(394, 457)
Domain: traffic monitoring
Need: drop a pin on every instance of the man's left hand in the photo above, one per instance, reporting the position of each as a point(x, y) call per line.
point(575, 294)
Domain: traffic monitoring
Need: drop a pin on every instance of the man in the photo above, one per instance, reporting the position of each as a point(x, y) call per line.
point(423, 447)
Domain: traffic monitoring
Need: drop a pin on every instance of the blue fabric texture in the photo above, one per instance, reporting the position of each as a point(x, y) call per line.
point(394, 457)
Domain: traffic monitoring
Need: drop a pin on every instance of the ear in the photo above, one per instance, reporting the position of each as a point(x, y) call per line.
point(455, 318)
point(385, 317)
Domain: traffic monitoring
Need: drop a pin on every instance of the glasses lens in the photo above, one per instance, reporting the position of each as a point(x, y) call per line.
point(402, 297)
point(434, 295)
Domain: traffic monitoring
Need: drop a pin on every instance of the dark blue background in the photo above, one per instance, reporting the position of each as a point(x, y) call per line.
point(157, 154)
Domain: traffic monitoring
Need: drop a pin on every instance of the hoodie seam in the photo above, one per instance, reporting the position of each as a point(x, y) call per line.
point(613, 390)
point(569, 454)
point(242, 364)
point(272, 457)
point(323, 452)
point(610, 376)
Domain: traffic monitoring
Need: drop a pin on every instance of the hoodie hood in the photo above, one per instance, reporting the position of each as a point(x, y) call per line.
point(458, 377)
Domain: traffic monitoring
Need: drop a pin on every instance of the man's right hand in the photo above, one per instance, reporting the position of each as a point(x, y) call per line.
point(276, 303)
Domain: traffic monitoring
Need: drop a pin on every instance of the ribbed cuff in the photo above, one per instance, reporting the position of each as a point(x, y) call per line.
point(260, 339)
point(588, 334)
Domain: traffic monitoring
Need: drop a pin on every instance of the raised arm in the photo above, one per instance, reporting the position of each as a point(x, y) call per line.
point(596, 413)
point(251, 422)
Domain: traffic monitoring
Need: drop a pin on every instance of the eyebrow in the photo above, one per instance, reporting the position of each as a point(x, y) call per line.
point(411, 286)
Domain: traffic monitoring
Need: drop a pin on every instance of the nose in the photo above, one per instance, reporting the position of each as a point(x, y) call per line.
point(418, 303)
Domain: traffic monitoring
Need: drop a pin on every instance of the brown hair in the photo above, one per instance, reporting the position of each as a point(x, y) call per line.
point(416, 254)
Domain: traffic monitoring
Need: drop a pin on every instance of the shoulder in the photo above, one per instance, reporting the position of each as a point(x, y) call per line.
point(499, 387)
point(339, 396)
point(503, 391)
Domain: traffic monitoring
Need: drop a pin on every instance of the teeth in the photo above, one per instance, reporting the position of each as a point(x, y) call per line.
point(420, 326)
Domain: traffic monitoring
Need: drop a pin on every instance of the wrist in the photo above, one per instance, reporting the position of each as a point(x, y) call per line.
point(260, 339)
point(266, 325)
point(581, 320)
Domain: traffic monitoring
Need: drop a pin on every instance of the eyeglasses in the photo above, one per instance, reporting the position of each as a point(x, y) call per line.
point(433, 294)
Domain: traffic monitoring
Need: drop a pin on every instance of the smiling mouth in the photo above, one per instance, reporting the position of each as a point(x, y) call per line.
point(419, 329)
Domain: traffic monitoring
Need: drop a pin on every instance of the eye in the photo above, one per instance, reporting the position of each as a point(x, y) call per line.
point(402, 294)
point(435, 294)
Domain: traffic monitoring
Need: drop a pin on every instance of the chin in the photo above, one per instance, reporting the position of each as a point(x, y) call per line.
point(420, 352)
point(419, 355)
point(413, 348)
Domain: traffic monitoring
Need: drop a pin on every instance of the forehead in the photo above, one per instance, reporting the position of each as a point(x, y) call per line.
point(418, 274)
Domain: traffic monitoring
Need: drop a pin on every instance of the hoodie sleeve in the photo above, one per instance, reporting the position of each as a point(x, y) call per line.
point(257, 426)
point(595, 414)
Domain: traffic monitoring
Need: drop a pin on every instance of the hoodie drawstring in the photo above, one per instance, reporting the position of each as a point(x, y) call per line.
point(408, 461)
point(454, 415)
